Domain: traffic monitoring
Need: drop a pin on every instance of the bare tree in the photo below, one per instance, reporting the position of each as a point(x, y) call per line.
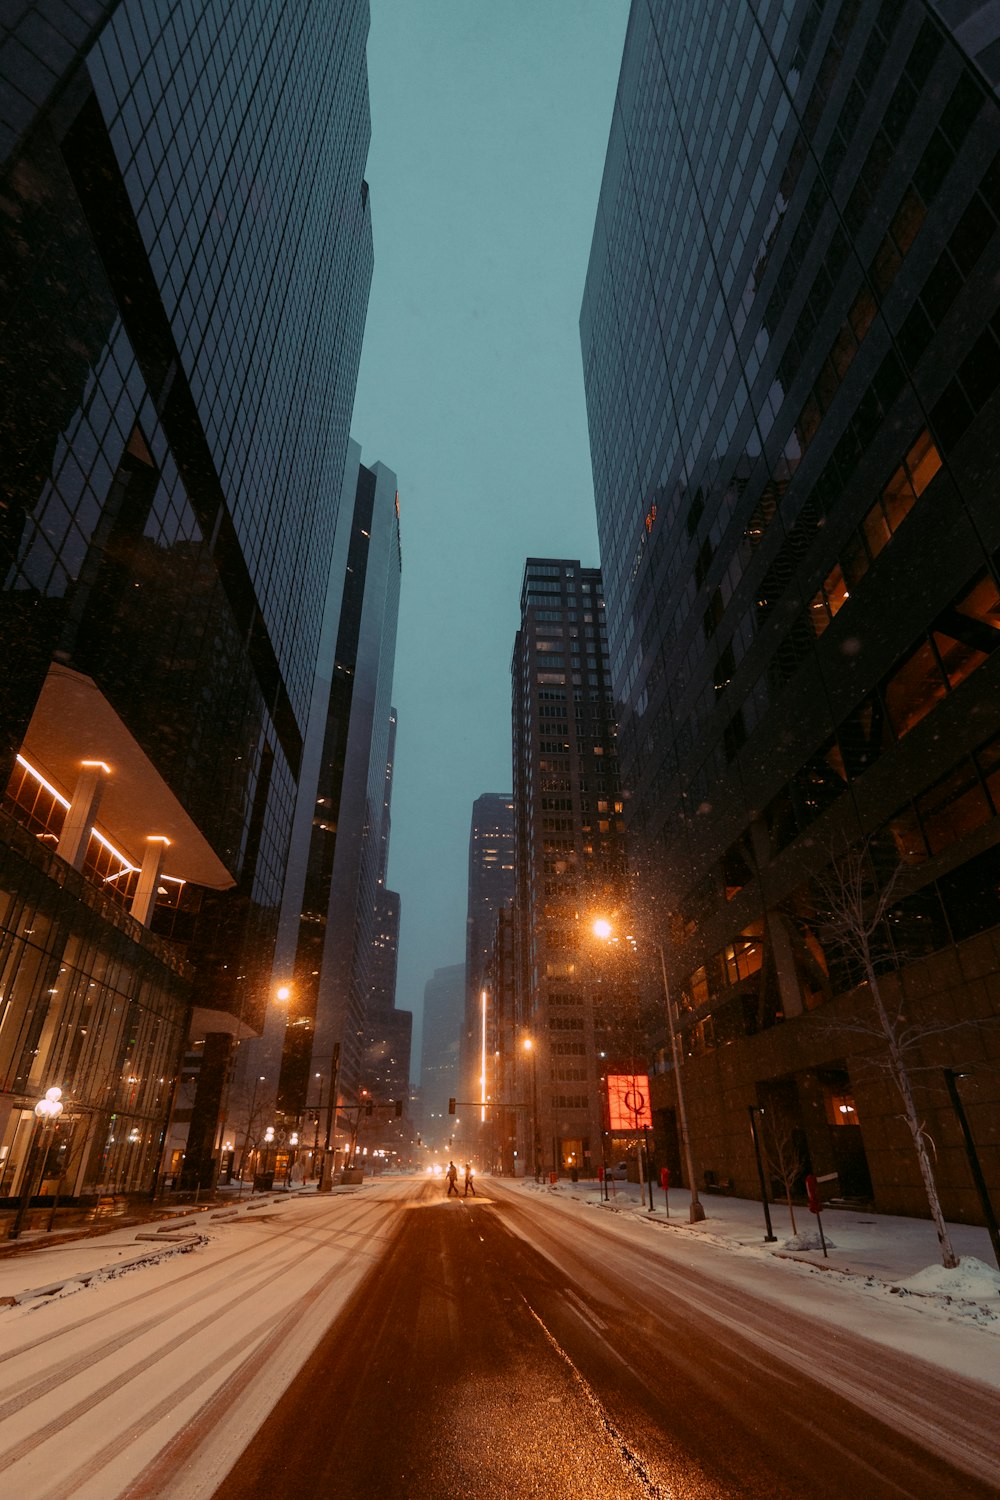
point(250, 1110)
point(784, 1157)
point(857, 912)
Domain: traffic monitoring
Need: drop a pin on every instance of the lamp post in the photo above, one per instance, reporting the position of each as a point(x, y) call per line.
point(529, 1047)
point(47, 1111)
point(325, 1182)
point(603, 929)
point(951, 1077)
point(319, 1111)
point(697, 1212)
point(755, 1110)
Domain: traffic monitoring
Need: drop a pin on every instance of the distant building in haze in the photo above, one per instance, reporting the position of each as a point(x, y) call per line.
point(187, 256)
point(569, 860)
point(791, 350)
point(491, 887)
point(444, 1018)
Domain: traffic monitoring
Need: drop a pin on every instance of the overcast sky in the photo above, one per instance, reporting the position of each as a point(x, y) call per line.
point(490, 121)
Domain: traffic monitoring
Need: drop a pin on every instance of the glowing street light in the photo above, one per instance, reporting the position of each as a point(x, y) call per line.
point(603, 929)
point(47, 1112)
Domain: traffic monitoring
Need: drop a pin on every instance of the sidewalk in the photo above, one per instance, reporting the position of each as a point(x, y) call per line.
point(895, 1252)
point(41, 1263)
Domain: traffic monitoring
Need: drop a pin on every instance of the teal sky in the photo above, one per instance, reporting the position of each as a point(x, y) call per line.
point(490, 121)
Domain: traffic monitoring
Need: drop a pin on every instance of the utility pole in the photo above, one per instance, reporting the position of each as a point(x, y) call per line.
point(325, 1184)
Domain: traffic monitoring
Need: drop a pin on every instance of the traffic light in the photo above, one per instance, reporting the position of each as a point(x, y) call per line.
point(399, 1108)
point(369, 1106)
point(451, 1106)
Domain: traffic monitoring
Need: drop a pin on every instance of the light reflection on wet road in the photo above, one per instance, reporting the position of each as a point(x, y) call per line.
point(472, 1365)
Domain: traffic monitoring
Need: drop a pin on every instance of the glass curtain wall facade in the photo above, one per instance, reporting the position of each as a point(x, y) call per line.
point(186, 270)
point(336, 929)
point(790, 342)
point(569, 864)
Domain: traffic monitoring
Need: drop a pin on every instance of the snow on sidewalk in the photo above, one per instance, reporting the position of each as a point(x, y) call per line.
point(875, 1256)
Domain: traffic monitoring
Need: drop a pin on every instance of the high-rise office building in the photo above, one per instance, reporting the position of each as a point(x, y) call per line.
point(389, 1032)
point(491, 887)
point(444, 1016)
point(569, 861)
point(329, 990)
point(791, 346)
point(187, 257)
point(506, 1119)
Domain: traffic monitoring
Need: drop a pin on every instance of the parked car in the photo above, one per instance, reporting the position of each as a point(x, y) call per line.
point(620, 1171)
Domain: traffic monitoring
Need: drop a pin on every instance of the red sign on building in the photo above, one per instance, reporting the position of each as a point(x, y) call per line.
point(628, 1102)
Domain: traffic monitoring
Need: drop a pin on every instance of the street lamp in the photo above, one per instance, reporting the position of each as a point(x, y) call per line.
point(951, 1077)
point(697, 1212)
point(755, 1110)
point(529, 1048)
point(319, 1111)
point(47, 1112)
point(603, 929)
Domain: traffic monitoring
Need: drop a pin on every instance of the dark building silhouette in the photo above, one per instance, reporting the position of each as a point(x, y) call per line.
point(186, 261)
point(349, 836)
point(569, 861)
point(506, 1120)
point(389, 1031)
point(491, 887)
point(791, 347)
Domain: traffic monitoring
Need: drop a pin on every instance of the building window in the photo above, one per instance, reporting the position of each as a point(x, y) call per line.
point(913, 689)
point(953, 807)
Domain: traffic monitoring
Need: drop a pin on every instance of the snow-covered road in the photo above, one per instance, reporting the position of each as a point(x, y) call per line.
point(95, 1384)
point(149, 1385)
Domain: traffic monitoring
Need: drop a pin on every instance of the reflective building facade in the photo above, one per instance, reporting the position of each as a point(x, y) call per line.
point(790, 340)
point(187, 261)
point(348, 841)
point(569, 862)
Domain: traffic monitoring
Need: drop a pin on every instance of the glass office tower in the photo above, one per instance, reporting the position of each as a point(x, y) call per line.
point(187, 261)
point(348, 841)
point(576, 1019)
point(791, 345)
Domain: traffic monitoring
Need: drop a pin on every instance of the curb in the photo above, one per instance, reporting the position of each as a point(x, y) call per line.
point(108, 1273)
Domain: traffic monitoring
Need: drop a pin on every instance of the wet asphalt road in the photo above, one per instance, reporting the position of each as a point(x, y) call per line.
point(472, 1366)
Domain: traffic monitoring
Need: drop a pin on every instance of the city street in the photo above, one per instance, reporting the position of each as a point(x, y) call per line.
point(507, 1345)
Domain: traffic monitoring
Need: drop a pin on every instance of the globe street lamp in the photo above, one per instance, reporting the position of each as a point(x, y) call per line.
point(47, 1112)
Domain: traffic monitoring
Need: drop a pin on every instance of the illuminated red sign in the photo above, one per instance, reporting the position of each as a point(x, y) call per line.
point(628, 1102)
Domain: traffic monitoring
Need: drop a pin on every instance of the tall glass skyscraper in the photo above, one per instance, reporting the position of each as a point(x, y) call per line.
point(791, 345)
point(187, 261)
point(348, 842)
point(569, 863)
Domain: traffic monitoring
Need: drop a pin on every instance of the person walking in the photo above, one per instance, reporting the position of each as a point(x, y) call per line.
point(452, 1176)
point(470, 1186)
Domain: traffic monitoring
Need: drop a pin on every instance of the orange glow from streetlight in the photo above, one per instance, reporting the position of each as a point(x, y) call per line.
point(603, 928)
